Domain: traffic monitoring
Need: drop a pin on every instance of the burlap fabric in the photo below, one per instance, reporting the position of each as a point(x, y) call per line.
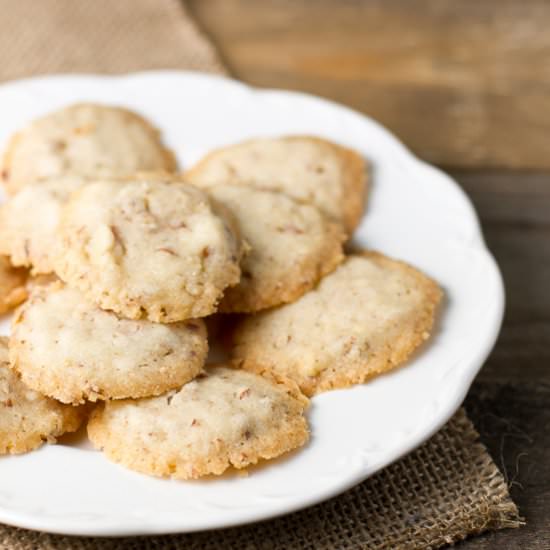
point(99, 36)
point(445, 491)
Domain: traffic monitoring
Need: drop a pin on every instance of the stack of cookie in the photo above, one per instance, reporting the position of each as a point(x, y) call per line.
point(127, 259)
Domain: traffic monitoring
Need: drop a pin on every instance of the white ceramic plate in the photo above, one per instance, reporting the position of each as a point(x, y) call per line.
point(415, 213)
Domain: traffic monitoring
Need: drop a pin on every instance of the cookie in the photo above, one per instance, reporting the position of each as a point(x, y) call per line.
point(28, 222)
point(85, 139)
point(28, 419)
point(223, 418)
point(12, 285)
point(365, 318)
point(150, 248)
point(292, 245)
point(309, 169)
point(67, 348)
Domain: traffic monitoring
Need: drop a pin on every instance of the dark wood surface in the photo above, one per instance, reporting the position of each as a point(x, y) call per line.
point(510, 400)
point(467, 86)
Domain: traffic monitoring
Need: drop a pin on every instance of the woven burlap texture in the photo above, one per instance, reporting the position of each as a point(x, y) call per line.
point(445, 491)
point(100, 36)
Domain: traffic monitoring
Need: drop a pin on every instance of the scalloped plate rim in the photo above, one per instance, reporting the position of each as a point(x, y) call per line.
point(476, 242)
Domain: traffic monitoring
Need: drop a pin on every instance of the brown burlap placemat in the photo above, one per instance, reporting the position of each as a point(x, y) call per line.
point(445, 491)
point(100, 36)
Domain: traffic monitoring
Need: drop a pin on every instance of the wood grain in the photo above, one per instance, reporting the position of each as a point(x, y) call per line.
point(462, 83)
point(513, 420)
point(510, 401)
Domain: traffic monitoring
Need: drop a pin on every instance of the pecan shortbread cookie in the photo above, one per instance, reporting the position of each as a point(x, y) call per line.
point(292, 245)
point(363, 319)
point(84, 139)
point(27, 418)
point(67, 348)
point(309, 169)
point(223, 418)
point(148, 248)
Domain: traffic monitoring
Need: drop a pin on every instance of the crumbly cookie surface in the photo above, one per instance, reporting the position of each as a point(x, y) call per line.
point(292, 245)
point(147, 248)
point(67, 348)
point(223, 418)
point(28, 222)
point(363, 319)
point(12, 285)
point(309, 169)
point(28, 419)
point(85, 139)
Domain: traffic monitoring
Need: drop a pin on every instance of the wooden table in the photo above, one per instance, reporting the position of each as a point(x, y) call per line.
point(467, 86)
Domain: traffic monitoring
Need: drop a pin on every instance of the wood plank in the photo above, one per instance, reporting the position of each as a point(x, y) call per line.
point(463, 83)
point(515, 212)
point(514, 423)
point(510, 401)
